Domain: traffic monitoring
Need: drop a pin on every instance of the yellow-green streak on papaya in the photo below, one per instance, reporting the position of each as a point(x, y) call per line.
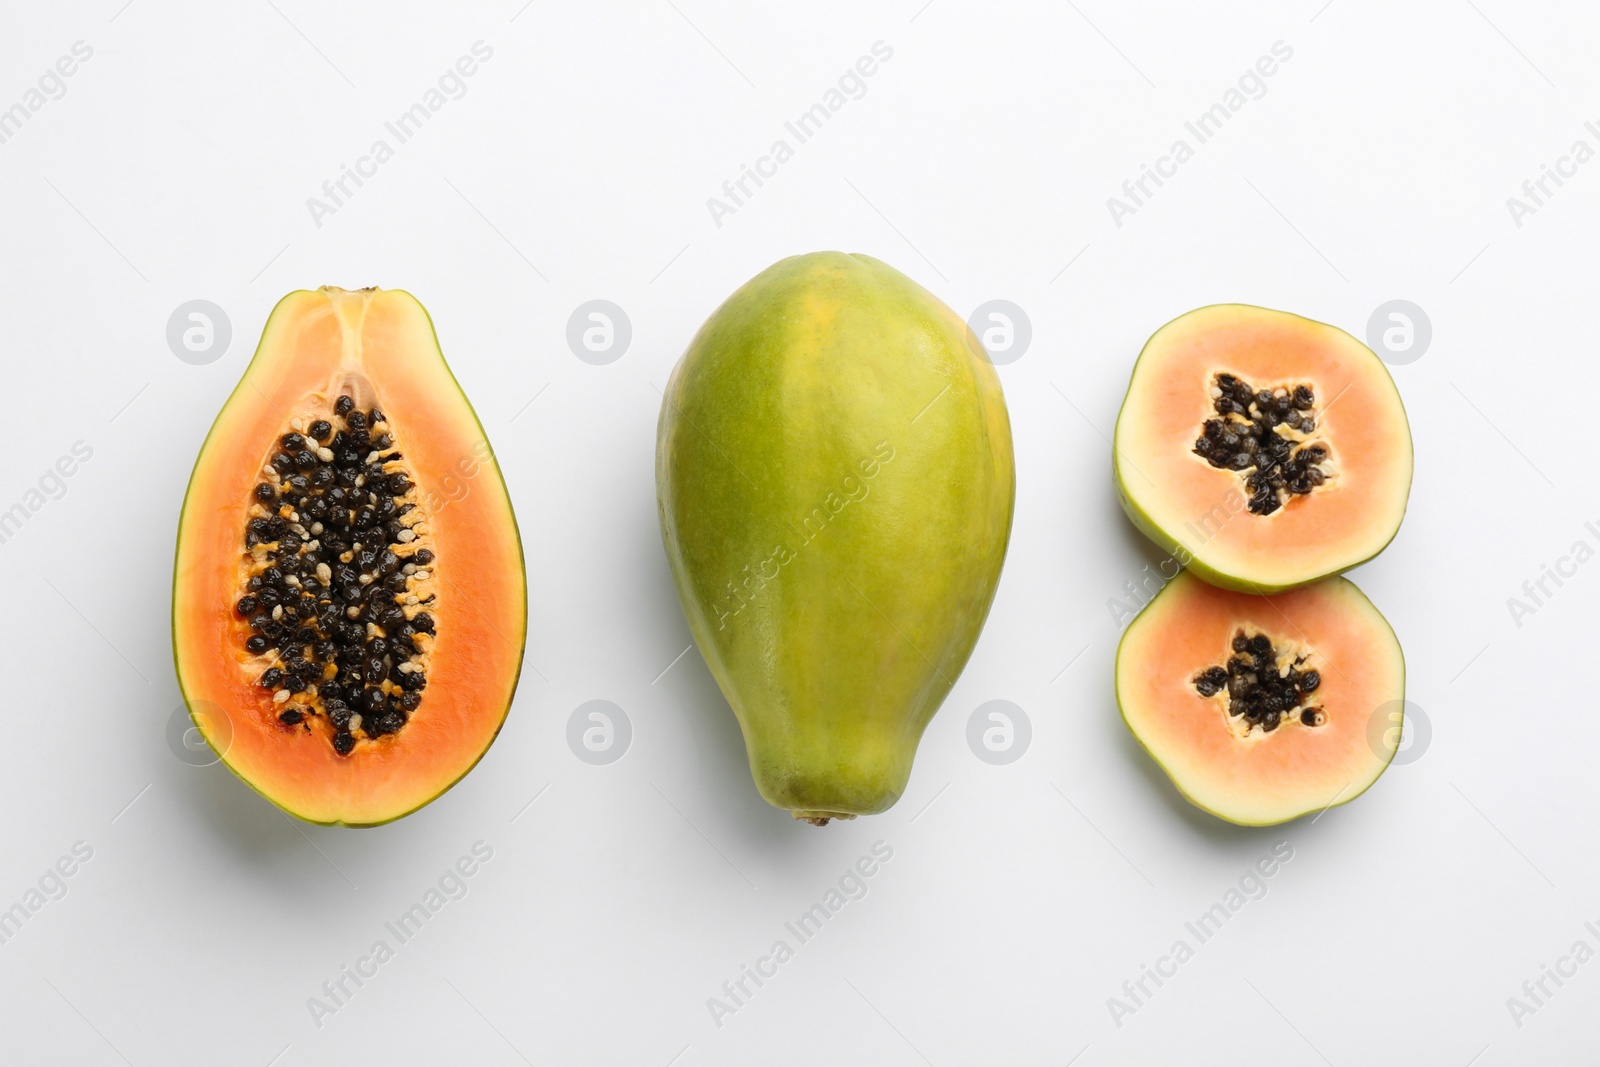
point(835, 482)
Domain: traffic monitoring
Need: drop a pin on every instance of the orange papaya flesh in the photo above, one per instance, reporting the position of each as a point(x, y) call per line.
point(1312, 720)
point(1262, 500)
point(349, 599)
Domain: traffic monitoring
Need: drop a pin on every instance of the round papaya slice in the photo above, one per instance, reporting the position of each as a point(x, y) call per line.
point(349, 604)
point(1262, 449)
point(1263, 708)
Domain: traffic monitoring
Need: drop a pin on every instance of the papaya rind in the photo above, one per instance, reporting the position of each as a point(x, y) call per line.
point(1339, 800)
point(192, 703)
point(847, 750)
point(1194, 560)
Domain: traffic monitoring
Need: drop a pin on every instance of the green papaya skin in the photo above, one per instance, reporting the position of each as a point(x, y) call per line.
point(835, 482)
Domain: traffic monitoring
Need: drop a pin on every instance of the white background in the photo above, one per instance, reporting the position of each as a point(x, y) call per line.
point(1019, 898)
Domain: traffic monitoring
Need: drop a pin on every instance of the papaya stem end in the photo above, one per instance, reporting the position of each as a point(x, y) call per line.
point(820, 818)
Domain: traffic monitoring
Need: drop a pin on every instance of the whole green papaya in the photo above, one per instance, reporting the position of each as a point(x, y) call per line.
point(835, 482)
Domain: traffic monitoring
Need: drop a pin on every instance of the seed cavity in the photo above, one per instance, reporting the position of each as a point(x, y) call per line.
point(1262, 685)
point(331, 575)
point(1246, 436)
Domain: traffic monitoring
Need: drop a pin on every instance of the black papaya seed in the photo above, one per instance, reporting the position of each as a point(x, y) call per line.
point(296, 604)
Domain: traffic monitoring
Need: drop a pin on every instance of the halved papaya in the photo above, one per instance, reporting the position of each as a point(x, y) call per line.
point(349, 603)
point(1263, 708)
point(1263, 450)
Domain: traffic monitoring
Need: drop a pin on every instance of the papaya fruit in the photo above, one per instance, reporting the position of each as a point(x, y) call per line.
point(835, 484)
point(1263, 708)
point(349, 604)
point(1263, 450)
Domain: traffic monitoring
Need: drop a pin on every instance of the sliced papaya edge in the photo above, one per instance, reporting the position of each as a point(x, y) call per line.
point(1174, 547)
point(191, 702)
point(1336, 801)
